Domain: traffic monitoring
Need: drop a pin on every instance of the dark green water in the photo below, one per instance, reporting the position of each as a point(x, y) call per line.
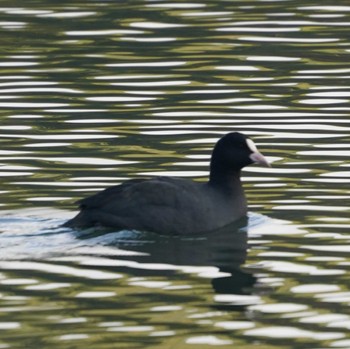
point(96, 92)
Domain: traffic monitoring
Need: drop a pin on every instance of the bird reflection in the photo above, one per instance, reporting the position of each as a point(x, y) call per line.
point(225, 249)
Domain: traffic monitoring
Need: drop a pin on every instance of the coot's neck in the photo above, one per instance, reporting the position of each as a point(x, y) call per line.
point(227, 181)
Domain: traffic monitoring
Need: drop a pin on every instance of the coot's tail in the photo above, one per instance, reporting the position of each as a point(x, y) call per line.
point(88, 218)
point(81, 220)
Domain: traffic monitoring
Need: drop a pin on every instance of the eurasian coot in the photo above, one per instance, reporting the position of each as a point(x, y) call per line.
point(176, 206)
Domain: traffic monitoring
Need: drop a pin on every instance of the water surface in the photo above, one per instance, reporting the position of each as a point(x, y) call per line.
point(95, 93)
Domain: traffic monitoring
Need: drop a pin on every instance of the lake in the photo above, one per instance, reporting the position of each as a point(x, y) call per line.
point(94, 93)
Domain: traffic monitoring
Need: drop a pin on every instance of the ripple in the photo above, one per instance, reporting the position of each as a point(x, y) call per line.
point(325, 8)
point(281, 39)
point(14, 152)
point(208, 340)
point(288, 22)
point(235, 325)
point(330, 94)
point(278, 308)
point(334, 248)
point(322, 208)
point(78, 110)
point(288, 267)
point(102, 32)
point(76, 320)
point(326, 318)
point(258, 30)
point(272, 59)
point(63, 136)
point(331, 153)
point(17, 64)
point(17, 173)
point(9, 326)
point(341, 344)
point(319, 101)
point(75, 336)
point(71, 14)
point(153, 83)
point(335, 297)
point(216, 91)
point(59, 269)
point(32, 105)
point(18, 281)
point(12, 24)
point(207, 14)
point(291, 332)
point(88, 160)
point(168, 132)
point(238, 299)
point(328, 15)
point(118, 99)
point(95, 294)
point(325, 71)
point(147, 64)
point(237, 68)
point(156, 25)
point(19, 127)
point(41, 90)
point(177, 5)
point(27, 83)
point(24, 11)
point(45, 145)
point(131, 329)
point(314, 288)
point(92, 121)
point(336, 174)
point(167, 308)
point(228, 100)
point(261, 107)
point(162, 39)
point(132, 76)
point(151, 284)
point(278, 170)
point(59, 184)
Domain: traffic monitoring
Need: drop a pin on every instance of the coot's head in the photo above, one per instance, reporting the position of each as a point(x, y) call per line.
point(234, 151)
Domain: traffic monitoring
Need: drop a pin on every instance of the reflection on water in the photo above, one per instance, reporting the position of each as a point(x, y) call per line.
point(104, 267)
point(99, 275)
point(92, 94)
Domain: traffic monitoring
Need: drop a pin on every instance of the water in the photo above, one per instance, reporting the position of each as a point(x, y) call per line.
point(94, 93)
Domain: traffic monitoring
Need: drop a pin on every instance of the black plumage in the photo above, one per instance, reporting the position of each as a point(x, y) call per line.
point(177, 206)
